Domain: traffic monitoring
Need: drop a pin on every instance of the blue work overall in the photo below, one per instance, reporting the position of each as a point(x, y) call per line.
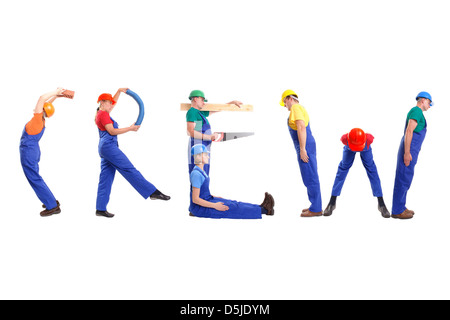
point(308, 170)
point(237, 210)
point(206, 129)
point(112, 159)
point(404, 174)
point(368, 163)
point(30, 155)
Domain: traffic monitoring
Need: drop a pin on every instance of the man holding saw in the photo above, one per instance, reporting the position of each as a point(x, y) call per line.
point(198, 127)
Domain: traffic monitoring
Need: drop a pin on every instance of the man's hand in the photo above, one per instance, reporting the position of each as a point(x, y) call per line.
point(220, 206)
point(407, 158)
point(304, 155)
point(236, 103)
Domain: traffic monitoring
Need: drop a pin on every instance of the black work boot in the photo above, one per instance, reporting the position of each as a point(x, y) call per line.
point(330, 207)
point(382, 208)
point(158, 195)
point(105, 213)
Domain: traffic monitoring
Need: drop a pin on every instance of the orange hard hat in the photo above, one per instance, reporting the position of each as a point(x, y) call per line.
point(356, 139)
point(49, 109)
point(106, 96)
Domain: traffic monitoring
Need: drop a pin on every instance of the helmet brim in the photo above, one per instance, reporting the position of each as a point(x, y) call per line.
point(356, 147)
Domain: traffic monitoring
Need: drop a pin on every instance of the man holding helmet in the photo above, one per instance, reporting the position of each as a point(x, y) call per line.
point(357, 141)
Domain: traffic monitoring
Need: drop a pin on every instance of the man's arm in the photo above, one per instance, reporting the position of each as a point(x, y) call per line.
point(407, 157)
point(119, 91)
point(302, 135)
point(215, 205)
point(114, 132)
point(46, 96)
point(235, 102)
point(198, 135)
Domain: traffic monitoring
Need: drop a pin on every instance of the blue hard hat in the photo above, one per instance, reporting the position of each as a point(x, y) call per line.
point(198, 148)
point(425, 95)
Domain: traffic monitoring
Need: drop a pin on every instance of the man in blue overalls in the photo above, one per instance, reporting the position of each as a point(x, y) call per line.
point(415, 132)
point(198, 127)
point(113, 159)
point(305, 147)
point(357, 141)
point(204, 205)
point(30, 152)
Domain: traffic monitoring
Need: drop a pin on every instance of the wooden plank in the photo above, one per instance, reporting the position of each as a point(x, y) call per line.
point(219, 107)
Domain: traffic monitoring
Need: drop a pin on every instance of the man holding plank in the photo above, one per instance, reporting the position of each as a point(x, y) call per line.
point(198, 127)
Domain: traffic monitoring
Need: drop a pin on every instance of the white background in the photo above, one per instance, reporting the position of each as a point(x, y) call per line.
point(353, 64)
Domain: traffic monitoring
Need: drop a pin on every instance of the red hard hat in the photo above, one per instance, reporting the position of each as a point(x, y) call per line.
point(356, 139)
point(106, 96)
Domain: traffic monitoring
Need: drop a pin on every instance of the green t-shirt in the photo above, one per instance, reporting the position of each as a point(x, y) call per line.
point(193, 115)
point(416, 114)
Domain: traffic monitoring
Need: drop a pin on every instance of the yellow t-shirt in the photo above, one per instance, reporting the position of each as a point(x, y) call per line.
point(298, 113)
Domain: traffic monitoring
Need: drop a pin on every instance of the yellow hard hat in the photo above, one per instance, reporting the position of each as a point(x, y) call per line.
point(49, 109)
point(286, 94)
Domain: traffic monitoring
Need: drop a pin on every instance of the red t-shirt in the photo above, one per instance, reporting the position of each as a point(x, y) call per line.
point(369, 139)
point(102, 119)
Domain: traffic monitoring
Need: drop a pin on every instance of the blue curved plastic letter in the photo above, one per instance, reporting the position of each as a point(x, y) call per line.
point(141, 106)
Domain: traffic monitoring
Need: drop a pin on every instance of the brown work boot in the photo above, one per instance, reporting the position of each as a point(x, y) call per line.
point(404, 215)
point(48, 213)
point(308, 214)
point(268, 204)
point(266, 199)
